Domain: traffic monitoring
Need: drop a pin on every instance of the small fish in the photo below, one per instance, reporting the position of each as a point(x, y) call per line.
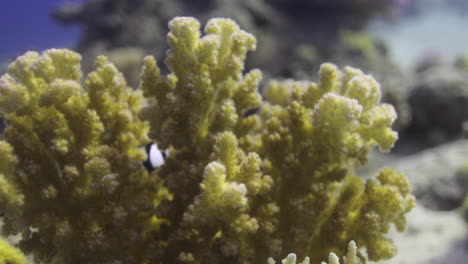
point(155, 156)
point(252, 111)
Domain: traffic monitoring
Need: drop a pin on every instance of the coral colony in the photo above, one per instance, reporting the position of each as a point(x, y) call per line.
point(237, 187)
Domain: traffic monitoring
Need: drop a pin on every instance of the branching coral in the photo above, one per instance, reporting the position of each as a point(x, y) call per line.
point(312, 141)
point(10, 255)
point(350, 258)
point(237, 187)
point(75, 188)
point(307, 149)
point(206, 91)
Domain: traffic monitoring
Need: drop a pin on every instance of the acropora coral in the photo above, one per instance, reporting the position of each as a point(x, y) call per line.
point(351, 257)
point(9, 254)
point(247, 177)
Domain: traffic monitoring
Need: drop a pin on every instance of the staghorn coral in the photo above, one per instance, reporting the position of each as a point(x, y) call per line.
point(237, 187)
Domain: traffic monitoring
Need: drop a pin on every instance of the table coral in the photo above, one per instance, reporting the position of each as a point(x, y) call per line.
point(237, 188)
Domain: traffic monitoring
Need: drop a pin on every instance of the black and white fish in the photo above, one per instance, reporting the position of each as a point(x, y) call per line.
point(155, 156)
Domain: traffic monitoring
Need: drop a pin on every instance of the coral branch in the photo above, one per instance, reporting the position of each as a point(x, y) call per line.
point(239, 186)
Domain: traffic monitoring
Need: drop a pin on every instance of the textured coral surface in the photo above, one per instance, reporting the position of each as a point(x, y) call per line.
point(239, 185)
point(9, 254)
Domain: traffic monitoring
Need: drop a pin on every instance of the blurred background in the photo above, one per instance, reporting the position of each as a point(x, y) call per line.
point(416, 49)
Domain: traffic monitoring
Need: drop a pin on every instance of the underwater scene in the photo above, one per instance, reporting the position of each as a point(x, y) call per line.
point(234, 131)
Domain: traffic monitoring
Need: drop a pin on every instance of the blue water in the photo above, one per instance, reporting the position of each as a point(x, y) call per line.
point(27, 25)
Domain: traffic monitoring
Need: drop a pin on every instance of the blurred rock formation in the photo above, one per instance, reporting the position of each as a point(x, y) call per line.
point(439, 103)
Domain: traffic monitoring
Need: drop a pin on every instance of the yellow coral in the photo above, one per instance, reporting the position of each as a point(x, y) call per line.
point(311, 143)
point(238, 187)
point(10, 255)
point(205, 92)
point(71, 165)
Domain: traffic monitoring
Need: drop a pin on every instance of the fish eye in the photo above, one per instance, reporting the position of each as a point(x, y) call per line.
point(252, 111)
point(165, 154)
